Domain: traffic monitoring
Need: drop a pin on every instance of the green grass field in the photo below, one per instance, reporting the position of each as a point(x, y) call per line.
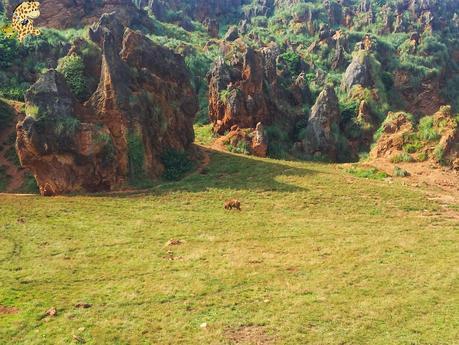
point(317, 256)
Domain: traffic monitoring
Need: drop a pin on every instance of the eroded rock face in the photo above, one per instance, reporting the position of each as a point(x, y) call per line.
point(236, 95)
point(247, 91)
point(144, 105)
point(399, 131)
point(63, 153)
point(395, 128)
point(63, 14)
point(320, 138)
point(424, 98)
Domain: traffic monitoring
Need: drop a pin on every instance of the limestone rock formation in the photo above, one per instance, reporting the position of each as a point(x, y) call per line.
point(358, 72)
point(143, 106)
point(320, 138)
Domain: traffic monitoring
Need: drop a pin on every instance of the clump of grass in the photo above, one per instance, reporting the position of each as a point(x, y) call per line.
point(204, 134)
point(72, 67)
point(402, 157)
point(399, 172)
point(368, 173)
point(422, 156)
point(32, 111)
point(426, 129)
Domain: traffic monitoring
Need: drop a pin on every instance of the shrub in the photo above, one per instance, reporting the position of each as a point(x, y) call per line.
point(277, 139)
point(6, 115)
point(402, 157)
point(8, 51)
point(29, 185)
point(176, 164)
point(426, 130)
point(4, 179)
point(72, 67)
point(439, 154)
point(422, 157)
point(136, 154)
point(399, 172)
point(66, 127)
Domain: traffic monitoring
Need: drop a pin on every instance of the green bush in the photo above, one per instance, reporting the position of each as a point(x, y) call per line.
point(72, 67)
point(136, 155)
point(176, 164)
point(9, 51)
point(6, 115)
point(277, 139)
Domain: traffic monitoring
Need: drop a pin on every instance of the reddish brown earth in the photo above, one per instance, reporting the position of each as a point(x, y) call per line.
point(8, 310)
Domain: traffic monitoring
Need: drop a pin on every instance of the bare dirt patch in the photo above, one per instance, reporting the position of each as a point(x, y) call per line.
point(8, 310)
point(253, 335)
point(437, 179)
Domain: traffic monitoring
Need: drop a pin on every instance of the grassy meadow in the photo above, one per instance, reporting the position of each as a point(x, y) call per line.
point(317, 256)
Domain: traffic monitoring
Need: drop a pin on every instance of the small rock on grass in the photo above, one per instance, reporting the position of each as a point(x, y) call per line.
point(51, 312)
point(174, 242)
point(203, 325)
point(78, 339)
point(83, 305)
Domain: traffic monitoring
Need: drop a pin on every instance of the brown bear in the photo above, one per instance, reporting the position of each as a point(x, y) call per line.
point(233, 203)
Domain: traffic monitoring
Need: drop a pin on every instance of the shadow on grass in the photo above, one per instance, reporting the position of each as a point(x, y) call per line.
point(233, 172)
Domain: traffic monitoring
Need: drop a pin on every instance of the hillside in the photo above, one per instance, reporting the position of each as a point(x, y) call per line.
point(315, 256)
point(320, 77)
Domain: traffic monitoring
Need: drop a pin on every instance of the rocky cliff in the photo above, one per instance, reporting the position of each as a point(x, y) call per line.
point(143, 106)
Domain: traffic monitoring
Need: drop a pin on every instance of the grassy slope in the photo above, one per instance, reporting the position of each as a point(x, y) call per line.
point(316, 256)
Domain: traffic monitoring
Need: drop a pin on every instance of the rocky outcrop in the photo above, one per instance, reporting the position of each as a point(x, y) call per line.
point(358, 72)
point(143, 106)
point(248, 91)
point(252, 141)
point(63, 14)
point(434, 138)
point(236, 95)
point(323, 126)
point(393, 131)
point(260, 141)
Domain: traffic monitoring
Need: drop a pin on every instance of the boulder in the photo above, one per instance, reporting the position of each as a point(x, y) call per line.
point(358, 72)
